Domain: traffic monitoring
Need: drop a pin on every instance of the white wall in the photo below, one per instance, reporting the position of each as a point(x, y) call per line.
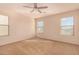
point(52, 28)
point(20, 27)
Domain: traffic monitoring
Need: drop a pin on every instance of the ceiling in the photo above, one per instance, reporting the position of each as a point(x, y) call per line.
point(53, 8)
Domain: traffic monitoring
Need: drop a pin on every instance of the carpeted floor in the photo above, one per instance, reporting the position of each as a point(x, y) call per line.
point(38, 46)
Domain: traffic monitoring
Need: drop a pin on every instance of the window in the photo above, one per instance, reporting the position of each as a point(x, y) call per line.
point(67, 25)
point(3, 25)
point(40, 26)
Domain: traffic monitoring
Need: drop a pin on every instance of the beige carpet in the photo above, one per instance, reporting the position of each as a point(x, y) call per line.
point(38, 46)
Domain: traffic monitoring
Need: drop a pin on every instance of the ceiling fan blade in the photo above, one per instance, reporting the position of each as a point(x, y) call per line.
point(44, 7)
point(28, 7)
point(32, 10)
point(39, 11)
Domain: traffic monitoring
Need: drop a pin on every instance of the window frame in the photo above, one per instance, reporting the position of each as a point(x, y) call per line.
point(73, 26)
point(37, 31)
point(5, 25)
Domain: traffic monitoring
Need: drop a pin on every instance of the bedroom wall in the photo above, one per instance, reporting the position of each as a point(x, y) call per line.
point(52, 27)
point(20, 27)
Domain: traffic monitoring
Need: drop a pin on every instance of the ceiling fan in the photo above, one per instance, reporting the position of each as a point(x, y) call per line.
point(36, 7)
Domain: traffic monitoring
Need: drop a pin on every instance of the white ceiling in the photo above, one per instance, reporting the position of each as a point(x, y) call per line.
point(53, 8)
